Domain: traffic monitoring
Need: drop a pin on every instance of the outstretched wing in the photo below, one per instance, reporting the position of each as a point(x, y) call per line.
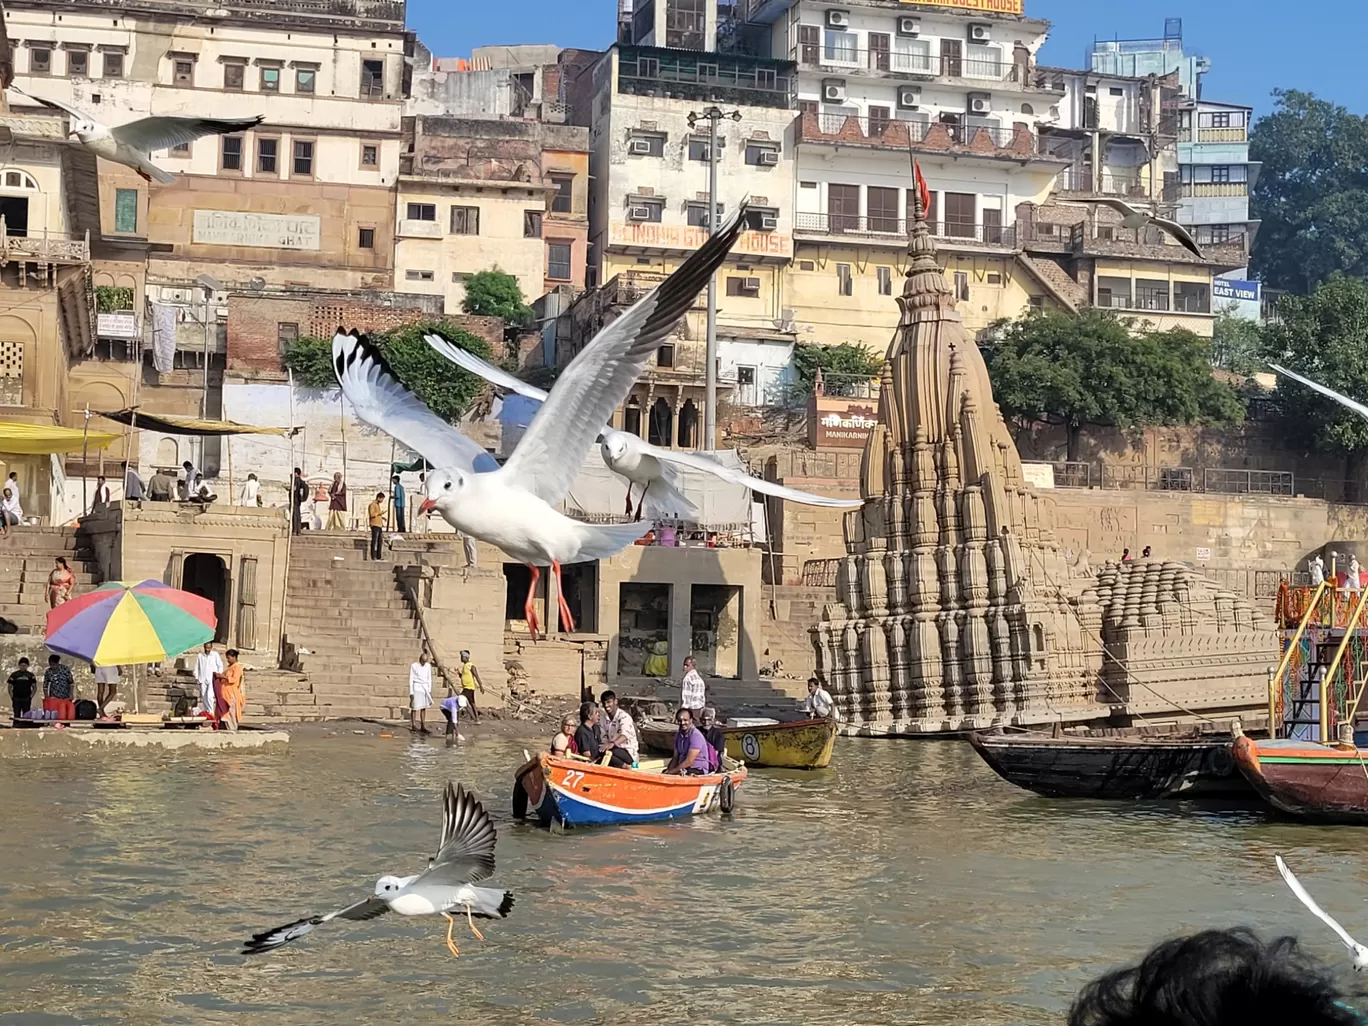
point(1180, 233)
point(697, 461)
point(1329, 393)
point(368, 908)
point(550, 453)
point(1316, 910)
point(383, 402)
point(161, 133)
point(465, 851)
point(467, 360)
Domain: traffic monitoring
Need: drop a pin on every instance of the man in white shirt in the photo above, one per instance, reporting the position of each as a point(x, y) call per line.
point(420, 694)
point(819, 704)
point(207, 663)
point(250, 491)
point(1317, 568)
point(693, 692)
point(13, 514)
point(619, 732)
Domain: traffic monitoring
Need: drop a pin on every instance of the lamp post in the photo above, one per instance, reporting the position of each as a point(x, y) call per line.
point(712, 115)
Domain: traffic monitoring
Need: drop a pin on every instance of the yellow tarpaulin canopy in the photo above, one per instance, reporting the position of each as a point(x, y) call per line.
point(171, 425)
point(41, 439)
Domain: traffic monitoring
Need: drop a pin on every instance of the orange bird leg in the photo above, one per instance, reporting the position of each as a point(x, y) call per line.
point(527, 608)
point(567, 621)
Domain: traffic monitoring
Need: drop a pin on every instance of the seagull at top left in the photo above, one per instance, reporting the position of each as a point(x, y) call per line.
point(132, 144)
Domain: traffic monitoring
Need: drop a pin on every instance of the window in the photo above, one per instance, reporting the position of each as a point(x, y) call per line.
point(809, 44)
point(684, 24)
point(233, 77)
point(885, 281)
point(558, 254)
point(1036, 302)
point(745, 286)
point(286, 332)
point(532, 224)
point(883, 210)
point(465, 220)
point(183, 73)
point(912, 55)
point(962, 286)
point(960, 214)
point(845, 286)
point(125, 210)
point(1117, 91)
point(1217, 234)
point(1113, 293)
point(270, 80)
point(992, 226)
point(878, 122)
point(1192, 297)
point(370, 155)
point(303, 158)
point(78, 63)
point(418, 275)
point(697, 214)
point(365, 238)
point(563, 202)
point(841, 47)
point(982, 61)
point(843, 208)
point(665, 355)
point(372, 80)
point(646, 145)
point(879, 45)
point(698, 149)
point(646, 208)
point(11, 373)
point(305, 79)
point(40, 60)
point(422, 212)
point(181, 149)
point(1151, 294)
point(268, 156)
point(231, 154)
point(1220, 119)
point(1220, 173)
point(807, 265)
point(113, 64)
point(755, 151)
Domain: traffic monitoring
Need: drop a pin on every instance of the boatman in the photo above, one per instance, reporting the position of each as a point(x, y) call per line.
point(819, 704)
point(693, 692)
point(420, 693)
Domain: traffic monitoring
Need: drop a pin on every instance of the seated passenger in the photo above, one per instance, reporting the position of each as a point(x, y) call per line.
point(586, 735)
point(564, 742)
point(618, 731)
point(691, 748)
point(712, 733)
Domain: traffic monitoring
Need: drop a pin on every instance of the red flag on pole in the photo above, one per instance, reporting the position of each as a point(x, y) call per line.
point(923, 190)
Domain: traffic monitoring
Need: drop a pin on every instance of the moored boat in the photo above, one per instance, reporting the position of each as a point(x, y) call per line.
point(801, 744)
point(1115, 768)
point(575, 793)
point(1306, 778)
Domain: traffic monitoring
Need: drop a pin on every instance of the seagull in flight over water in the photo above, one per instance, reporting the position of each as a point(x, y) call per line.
point(513, 506)
point(640, 462)
point(465, 854)
point(1357, 950)
point(132, 144)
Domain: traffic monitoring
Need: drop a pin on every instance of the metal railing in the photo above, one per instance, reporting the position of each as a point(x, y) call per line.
point(706, 76)
point(846, 386)
point(897, 228)
point(1233, 134)
point(830, 56)
point(895, 133)
point(1210, 480)
point(1204, 190)
point(1073, 475)
point(1081, 180)
point(1249, 482)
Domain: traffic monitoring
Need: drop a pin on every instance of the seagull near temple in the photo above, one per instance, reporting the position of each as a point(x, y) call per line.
point(132, 144)
point(1133, 217)
point(640, 462)
point(512, 507)
point(1358, 952)
point(465, 855)
point(1329, 393)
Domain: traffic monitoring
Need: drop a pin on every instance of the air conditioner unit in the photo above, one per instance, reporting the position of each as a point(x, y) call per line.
point(768, 158)
point(980, 104)
point(750, 284)
point(838, 19)
point(705, 153)
point(980, 33)
point(768, 222)
point(639, 146)
point(641, 213)
point(909, 97)
point(834, 90)
point(909, 26)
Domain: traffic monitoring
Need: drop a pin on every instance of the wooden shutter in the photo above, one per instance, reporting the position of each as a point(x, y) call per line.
point(175, 570)
point(247, 602)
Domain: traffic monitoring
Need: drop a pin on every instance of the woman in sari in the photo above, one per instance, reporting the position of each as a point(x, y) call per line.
point(60, 583)
point(234, 697)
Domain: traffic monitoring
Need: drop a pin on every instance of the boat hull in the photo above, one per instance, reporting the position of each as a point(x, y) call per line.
point(572, 793)
point(1115, 769)
point(804, 744)
point(1306, 779)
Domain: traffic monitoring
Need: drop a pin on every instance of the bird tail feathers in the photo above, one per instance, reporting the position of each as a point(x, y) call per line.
point(164, 177)
point(490, 902)
point(603, 540)
point(666, 499)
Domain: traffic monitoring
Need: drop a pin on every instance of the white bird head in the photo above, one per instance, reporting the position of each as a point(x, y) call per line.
point(387, 886)
point(445, 490)
point(614, 446)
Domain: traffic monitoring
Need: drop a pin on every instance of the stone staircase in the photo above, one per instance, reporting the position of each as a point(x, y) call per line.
point(272, 695)
point(786, 642)
point(26, 559)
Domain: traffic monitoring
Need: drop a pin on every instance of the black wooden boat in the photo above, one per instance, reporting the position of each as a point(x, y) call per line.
point(1116, 767)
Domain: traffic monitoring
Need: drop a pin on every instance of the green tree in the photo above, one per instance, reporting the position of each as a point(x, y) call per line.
point(845, 359)
point(1312, 192)
point(1092, 369)
point(446, 389)
point(1237, 343)
point(1325, 337)
point(495, 293)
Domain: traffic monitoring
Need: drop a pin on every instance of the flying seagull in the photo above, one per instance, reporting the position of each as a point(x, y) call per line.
point(1133, 217)
point(1330, 393)
point(513, 507)
point(132, 144)
point(1357, 950)
point(465, 854)
point(638, 461)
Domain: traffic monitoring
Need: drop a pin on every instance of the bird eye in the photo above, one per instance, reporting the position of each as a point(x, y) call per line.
point(448, 486)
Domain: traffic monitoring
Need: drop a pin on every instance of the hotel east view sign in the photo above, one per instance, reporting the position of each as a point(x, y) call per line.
point(683, 237)
point(259, 231)
point(991, 6)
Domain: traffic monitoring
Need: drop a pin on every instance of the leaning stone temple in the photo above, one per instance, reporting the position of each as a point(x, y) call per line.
point(956, 608)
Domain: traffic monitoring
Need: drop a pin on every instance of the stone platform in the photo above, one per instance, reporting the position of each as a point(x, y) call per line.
point(34, 742)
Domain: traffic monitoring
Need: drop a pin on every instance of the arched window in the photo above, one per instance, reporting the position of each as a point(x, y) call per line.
point(662, 423)
point(631, 416)
point(168, 453)
point(688, 425)
point(1026, 108)
point(15, 179)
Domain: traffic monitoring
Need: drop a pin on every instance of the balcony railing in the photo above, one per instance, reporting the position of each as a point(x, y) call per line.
point(44, 248)
point(896, 228)
point(1235, 134)
point(1081, 181)
point(858, 130)
point(837, 59)
point(697, 75)
point(1204, 190)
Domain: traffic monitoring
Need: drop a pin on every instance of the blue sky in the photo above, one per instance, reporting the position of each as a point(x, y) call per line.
point(1254, 46)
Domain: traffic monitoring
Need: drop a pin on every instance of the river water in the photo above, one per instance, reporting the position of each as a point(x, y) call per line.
point(906, 884)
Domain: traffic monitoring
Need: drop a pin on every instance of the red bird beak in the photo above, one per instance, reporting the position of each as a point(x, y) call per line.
point(427, 507)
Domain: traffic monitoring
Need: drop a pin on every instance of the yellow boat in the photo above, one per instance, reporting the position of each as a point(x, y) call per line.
point(803, 744)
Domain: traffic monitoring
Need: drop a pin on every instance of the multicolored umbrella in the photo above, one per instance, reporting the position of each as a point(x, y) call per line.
point(119, 624)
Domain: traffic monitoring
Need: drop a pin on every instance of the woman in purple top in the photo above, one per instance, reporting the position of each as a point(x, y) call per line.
point(691, 748)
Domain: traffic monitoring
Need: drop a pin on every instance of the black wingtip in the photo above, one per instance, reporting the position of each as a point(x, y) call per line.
point(506, 905)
